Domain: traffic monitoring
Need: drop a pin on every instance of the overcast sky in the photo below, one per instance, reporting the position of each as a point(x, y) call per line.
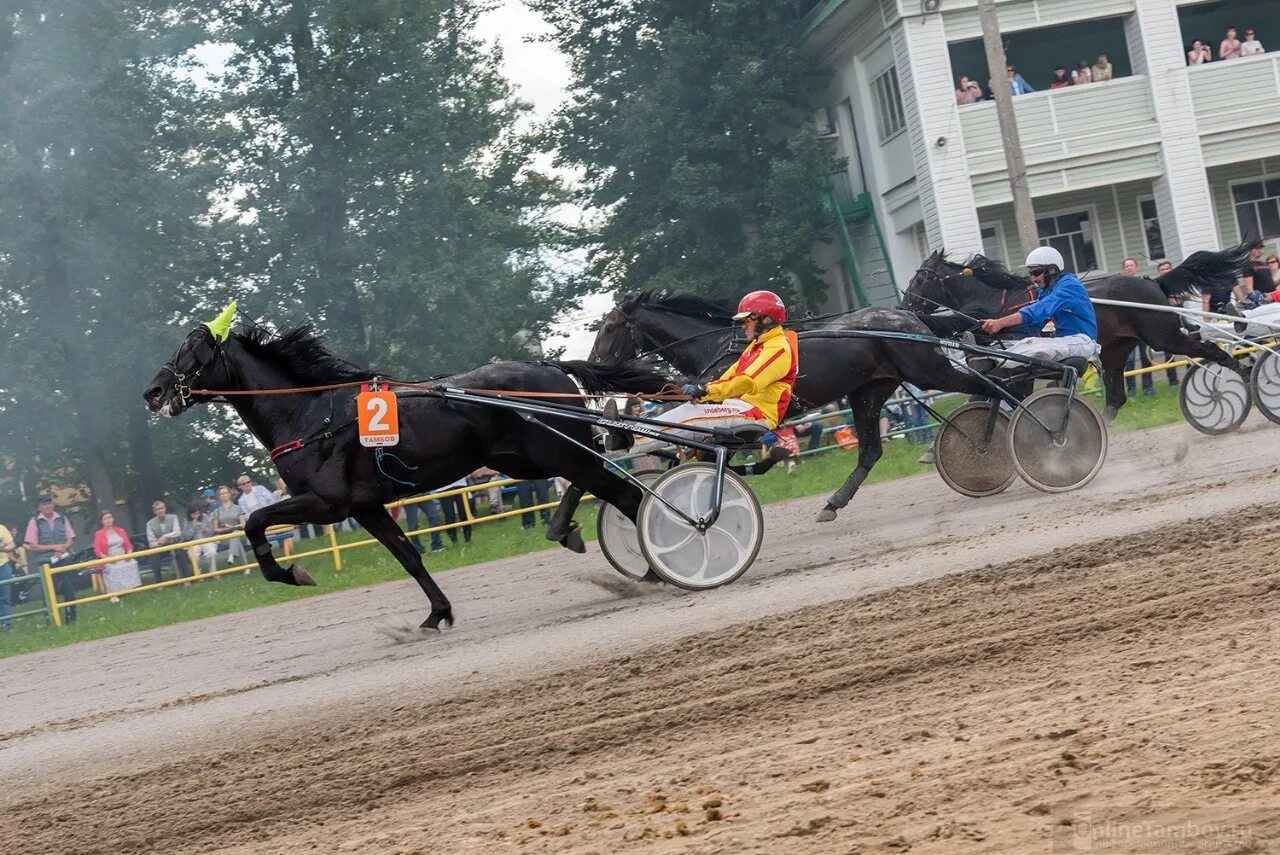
point(540, 74)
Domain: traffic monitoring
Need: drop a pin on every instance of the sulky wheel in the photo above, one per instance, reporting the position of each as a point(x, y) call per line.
point(1048, 457)
point(1264, 382)
point(967, 460)
point(1214, 399)
point(618, 540)
point(682, 555)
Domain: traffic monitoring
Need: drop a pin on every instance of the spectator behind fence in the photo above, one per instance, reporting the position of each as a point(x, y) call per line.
point(111, 540)
point(8, 552)
point(198, 526)
point(1017, 85)
point(455, 510)
point(164, 529)
point(48, 539)
point(525, 492)
point(1060, 79)
point(1082, 74)
point(227, 517)
point(1102, 69)
point(1273, 265)
point(968, 91)
point(208, 499)
point(1199, 53)
point(1251, 46)
point(252, 496)
point(1256, 283)
point(1230, 47)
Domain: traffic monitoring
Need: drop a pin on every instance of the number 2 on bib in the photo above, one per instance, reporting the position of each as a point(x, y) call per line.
point(379, 419)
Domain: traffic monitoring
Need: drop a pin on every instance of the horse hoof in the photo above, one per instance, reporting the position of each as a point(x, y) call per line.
point(573, 541)
point(827, 514)
point(439, 620)
point(301, 576)
point(1110, 413)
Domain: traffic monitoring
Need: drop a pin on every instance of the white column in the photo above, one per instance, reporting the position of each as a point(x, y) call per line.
point(1182, 195)
point(928, 99)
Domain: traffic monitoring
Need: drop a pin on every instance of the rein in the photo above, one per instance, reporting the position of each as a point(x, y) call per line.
point(433, 387)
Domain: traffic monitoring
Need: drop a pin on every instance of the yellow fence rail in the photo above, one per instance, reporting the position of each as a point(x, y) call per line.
point(334, 550)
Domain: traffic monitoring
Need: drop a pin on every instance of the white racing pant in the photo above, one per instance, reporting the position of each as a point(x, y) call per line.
point(1055, 349)
point(727, 414)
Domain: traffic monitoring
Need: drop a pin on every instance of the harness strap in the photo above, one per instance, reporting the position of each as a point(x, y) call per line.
point(296, 444)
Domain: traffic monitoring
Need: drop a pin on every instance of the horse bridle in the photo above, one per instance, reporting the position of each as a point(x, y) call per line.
point(183, 382)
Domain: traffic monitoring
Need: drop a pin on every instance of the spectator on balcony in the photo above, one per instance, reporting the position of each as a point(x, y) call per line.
point(1199, 53)
point(1060, 79)
point(1230, 47)
point(1102, 69)
point(109, 541)
point(968, 91)
point(1251, 46)
point(1082, 74)
point(1017, 84)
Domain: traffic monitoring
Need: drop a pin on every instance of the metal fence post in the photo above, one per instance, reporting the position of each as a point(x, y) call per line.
point(51, 598)
point(333, 545)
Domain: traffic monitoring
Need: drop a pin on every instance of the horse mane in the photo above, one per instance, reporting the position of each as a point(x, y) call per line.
point(685, 303)
point(994, 274)
point(301, 352)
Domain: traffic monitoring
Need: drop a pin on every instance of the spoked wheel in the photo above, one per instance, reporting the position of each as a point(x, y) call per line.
point(1053, 461)
point(682, 555)
point(618, 539)
point(967, 460)
point(1264, 382)
point(1214, 399)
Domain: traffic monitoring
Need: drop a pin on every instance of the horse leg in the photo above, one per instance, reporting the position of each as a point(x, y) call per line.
point(304, 508)
point(866, 403)
point(1114, 354)
point(380, 524)
point(562, 529)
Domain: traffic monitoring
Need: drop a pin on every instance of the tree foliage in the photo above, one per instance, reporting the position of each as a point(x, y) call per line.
point(682, 118)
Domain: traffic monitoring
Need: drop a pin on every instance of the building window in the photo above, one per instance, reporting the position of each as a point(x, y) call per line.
point(1257, 206)
point(1151, 229)
point(890, 117)
point(1072, 235)
point(993, 241)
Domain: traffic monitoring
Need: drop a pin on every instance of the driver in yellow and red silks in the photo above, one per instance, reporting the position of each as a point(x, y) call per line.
point(756, 389)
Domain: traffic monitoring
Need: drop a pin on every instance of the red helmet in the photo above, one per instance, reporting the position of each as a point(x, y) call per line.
point(763, 303)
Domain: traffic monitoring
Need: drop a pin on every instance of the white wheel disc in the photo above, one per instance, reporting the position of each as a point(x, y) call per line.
point(618, 539)
point(686, 557)
point(1265, 384)
point(968, 462)
point(1054, 460)
point(1214, 399)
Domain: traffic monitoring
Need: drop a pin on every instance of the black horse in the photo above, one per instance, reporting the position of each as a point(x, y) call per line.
point(696, 335)
point(982, 288)
point(313, 438)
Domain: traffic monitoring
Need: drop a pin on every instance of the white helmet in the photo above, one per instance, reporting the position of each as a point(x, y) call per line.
point(1046, 256)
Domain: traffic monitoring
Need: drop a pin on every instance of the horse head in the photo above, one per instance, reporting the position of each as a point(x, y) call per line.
point(925, 292)
point(201, 357)
point(617, 337)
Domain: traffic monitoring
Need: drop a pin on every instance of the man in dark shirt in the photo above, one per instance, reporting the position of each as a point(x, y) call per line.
point(1257, 281)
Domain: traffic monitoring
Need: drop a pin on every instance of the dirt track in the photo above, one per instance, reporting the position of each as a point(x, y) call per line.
point(1026, 673)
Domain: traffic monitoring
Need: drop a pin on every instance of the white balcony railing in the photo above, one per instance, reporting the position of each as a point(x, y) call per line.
point(1237, 104)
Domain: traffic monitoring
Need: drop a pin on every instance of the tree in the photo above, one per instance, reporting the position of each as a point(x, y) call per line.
point(682, 119)
point(104, 227)
point(391, 200)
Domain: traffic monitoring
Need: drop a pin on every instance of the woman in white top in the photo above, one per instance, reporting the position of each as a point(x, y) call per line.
point(1082, 74)
point(1251, 46)
point(1199, 54)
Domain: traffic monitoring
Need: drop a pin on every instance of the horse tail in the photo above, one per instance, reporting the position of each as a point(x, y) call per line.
point(629, 375)
point(1203, 270)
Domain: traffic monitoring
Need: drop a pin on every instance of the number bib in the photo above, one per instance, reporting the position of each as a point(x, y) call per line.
point(379, 419)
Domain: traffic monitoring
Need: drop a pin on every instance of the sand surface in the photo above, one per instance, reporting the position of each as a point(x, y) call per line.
point(1024, 673)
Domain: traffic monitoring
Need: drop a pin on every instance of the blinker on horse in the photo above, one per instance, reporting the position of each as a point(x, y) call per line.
point(331, 476)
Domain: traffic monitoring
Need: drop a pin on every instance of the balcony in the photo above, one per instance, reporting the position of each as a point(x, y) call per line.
point(1237, 106)
point(1073, 139)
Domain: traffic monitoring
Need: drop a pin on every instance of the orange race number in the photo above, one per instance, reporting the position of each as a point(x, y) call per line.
point(378, 418)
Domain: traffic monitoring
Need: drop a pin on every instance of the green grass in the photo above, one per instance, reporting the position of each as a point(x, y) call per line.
point(502, 539)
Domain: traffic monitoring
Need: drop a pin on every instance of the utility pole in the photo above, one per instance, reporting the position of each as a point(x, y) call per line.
point(1023, 211)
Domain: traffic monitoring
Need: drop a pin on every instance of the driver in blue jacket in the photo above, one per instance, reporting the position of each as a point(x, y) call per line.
point(1062, 299)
